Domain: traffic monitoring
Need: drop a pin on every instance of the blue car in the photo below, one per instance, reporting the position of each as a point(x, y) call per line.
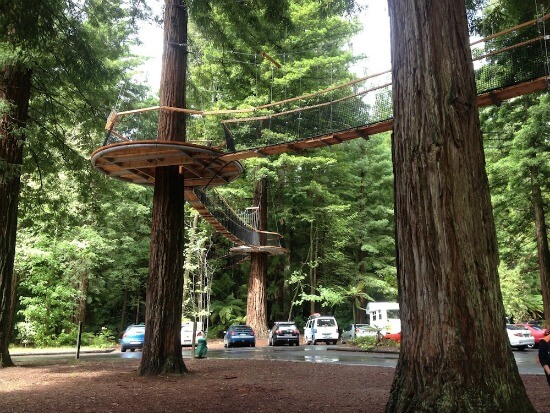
point(133, 338)
point(239, 335)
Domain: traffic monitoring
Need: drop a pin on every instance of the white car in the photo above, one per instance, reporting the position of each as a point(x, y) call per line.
point(321, 328)
point(357, 330)
point(187, 333)
point(519, 336)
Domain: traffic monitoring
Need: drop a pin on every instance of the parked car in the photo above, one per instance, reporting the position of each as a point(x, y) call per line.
point(284, 332)
point(537, 331)
point(519, 336)
point(187, 333)
point(321, 328)
point(242, 335)
point(357, 330)
point(393, 336)
point(133, 337)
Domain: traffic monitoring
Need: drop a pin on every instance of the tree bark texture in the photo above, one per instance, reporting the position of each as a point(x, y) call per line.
point(15, 91)
point(162, 346)
point(541, 233)
point(256, 302)
point(82, 300)
point(455, 355)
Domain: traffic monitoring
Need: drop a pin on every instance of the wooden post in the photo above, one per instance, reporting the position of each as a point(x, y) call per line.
point(78, 339)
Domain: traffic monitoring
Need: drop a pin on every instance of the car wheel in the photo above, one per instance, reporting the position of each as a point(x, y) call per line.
point(132, 350)
point(123, 349)
point(531, 346)
point(297, 343)
point(253, 345)
point(314, 342)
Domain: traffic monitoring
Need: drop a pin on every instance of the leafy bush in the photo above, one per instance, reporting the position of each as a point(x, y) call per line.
point(105, 338)
point(24, 334)
point(372, 342)
point(364, 342)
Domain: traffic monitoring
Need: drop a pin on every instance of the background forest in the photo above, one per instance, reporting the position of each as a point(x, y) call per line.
point(83, 238)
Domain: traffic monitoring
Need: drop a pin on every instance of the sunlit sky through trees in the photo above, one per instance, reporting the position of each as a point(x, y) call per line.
point(374, 42)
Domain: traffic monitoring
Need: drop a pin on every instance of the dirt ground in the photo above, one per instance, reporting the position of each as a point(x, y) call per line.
point(210, 386)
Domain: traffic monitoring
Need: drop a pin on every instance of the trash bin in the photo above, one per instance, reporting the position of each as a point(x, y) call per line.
point(201, 349)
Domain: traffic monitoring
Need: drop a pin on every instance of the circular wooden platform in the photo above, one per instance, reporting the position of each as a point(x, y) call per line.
point(136, 161)
point(267, 249)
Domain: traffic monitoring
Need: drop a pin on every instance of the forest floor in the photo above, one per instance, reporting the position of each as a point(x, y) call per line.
point(113, 385)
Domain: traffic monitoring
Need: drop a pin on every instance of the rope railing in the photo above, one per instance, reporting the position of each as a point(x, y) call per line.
point(511, 57)
point(501, 60)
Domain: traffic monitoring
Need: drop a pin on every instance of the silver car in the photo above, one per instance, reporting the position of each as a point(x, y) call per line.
point(357, 330)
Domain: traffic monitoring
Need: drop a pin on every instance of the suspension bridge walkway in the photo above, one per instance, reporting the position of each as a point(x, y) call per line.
point(507, 64)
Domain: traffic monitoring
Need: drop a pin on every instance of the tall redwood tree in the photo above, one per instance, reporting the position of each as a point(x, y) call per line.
point(256, 303)
point(162, 346)
point(15, 91)
point(455, 355)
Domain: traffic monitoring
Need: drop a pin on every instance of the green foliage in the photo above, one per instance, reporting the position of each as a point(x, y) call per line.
point(333, 206)
point(225, 313)
point(371, 342)
point(26, 336)
point(517, 150)
point(364, 342)
point(520, 302)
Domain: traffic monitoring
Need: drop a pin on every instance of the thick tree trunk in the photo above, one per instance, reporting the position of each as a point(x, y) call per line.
point(124, 312)
point(162, 346)
point(455, 355)
point(361, 314)
point(256, 303)
point(541, 233)
point(81, 307)
point(15, 90)
point(312, 267)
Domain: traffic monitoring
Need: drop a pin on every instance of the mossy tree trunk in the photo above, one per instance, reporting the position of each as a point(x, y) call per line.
point(162, 346)
point(15, 91)
point(256, 303)
point(455, 355)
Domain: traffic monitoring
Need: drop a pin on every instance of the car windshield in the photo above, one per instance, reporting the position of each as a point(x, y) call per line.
point(285, 325)
point(136, 330)
point(326, 322)
point(512, 327)
point(537, 328)
point(244, 329)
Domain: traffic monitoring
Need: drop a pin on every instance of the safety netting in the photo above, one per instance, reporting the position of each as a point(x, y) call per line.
point(234, 223)
point(511, 57)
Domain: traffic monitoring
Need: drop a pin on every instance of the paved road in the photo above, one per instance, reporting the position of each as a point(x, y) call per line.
point(526, 360)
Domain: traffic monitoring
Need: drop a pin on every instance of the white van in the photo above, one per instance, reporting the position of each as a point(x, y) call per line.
point(384, 316)
point(187, 333)
point(321, 328)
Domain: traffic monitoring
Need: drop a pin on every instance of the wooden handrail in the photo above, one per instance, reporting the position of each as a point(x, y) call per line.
point(511, 29)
